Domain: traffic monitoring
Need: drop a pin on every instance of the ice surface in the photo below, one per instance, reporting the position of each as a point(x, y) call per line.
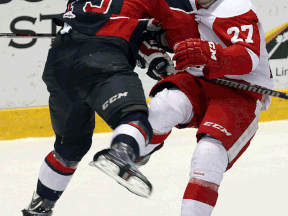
point(255, 186)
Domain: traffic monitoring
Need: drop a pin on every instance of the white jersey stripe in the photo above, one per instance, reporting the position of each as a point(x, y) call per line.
point(246, 136)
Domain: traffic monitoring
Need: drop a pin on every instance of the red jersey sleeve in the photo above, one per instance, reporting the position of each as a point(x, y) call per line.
point(241, 29)
point(136, 9)
point(189, 30)
point(158, 9)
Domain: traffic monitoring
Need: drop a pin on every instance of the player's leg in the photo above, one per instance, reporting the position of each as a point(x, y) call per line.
point(70, 146)
point(73, 122)
point(121, 102)
point(231, 121)
point(111, 88)
point(167, 109)
point(208, 164)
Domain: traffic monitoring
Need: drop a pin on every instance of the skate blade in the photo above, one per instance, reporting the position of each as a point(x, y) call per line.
point(26, 213)
point(133, 183)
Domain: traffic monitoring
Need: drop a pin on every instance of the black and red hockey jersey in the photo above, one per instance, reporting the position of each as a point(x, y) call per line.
point(124, 18)
point(113, 17)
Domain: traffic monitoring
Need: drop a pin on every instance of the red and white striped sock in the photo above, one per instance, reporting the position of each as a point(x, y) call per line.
point(55, 174)
point(199, 198)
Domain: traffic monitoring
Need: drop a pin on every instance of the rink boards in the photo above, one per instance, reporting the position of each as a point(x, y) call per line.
point(35, 122)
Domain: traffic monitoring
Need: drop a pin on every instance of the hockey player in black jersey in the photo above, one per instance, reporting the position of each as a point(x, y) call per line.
point(90, 68)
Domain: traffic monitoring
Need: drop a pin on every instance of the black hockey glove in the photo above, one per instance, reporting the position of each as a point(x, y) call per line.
point(157, 61)
point(157, 68)
point(156, 33)
point(140, 62)
point(160, 37)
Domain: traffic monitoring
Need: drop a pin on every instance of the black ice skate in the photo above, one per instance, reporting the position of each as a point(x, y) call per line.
point(144, 159)
point(39, 207)
point(116, 162)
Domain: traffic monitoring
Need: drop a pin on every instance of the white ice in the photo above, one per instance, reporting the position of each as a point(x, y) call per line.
point(257, 185)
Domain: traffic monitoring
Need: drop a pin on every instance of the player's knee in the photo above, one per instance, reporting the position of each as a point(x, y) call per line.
point(169, 108)
point(133, 129)
point(125, 113)
point(209, 160)
point(73, 148)
point(139, 120)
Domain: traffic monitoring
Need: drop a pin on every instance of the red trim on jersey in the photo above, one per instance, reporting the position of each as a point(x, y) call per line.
point(97, 9)
point(58, 165)
point(70, 7)
point(121, 27)
point(202, 191)
point(140, 129)
point(271, 75)
point(198, 6)
point(159, 138)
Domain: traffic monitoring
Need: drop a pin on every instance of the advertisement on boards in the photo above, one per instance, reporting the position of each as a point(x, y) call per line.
point(278, 52)
point(22, 59)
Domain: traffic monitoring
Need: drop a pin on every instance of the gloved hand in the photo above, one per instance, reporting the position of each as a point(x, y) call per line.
point(160, 37)
point(155, 32)
point(195, 52)
point(153, 25)
point(157, 68)
point(158, 62)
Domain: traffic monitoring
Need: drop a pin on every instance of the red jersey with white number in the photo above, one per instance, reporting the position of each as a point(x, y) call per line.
point(229, 22)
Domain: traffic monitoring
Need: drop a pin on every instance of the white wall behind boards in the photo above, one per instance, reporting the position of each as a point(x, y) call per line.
point(22, 60)
point(271, 13)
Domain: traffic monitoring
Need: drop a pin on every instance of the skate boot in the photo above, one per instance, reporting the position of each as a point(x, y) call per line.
point(39, 207)
point(145, 158)
point(117, 162)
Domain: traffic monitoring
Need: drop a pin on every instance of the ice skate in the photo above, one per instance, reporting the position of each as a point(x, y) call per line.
point(39, 207)
point(117, 163)
point(144, 159)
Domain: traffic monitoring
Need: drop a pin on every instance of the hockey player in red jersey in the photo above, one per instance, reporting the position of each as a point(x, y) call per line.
point(231, 45)
point(90, 68)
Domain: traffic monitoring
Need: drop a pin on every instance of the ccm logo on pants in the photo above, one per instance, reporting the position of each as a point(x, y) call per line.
point(217, 126)
point(114, 98)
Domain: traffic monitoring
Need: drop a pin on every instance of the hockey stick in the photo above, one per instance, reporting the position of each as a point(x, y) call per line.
point(247, 87)
point(26, 35)
point(221, 81)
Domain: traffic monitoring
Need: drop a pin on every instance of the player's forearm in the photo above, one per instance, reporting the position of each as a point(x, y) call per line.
point(238, 61)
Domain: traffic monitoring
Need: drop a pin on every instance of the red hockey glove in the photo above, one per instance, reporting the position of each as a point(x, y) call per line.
point(195, 52)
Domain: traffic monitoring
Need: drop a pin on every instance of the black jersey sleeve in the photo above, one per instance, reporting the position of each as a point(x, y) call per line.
point(88, 17)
